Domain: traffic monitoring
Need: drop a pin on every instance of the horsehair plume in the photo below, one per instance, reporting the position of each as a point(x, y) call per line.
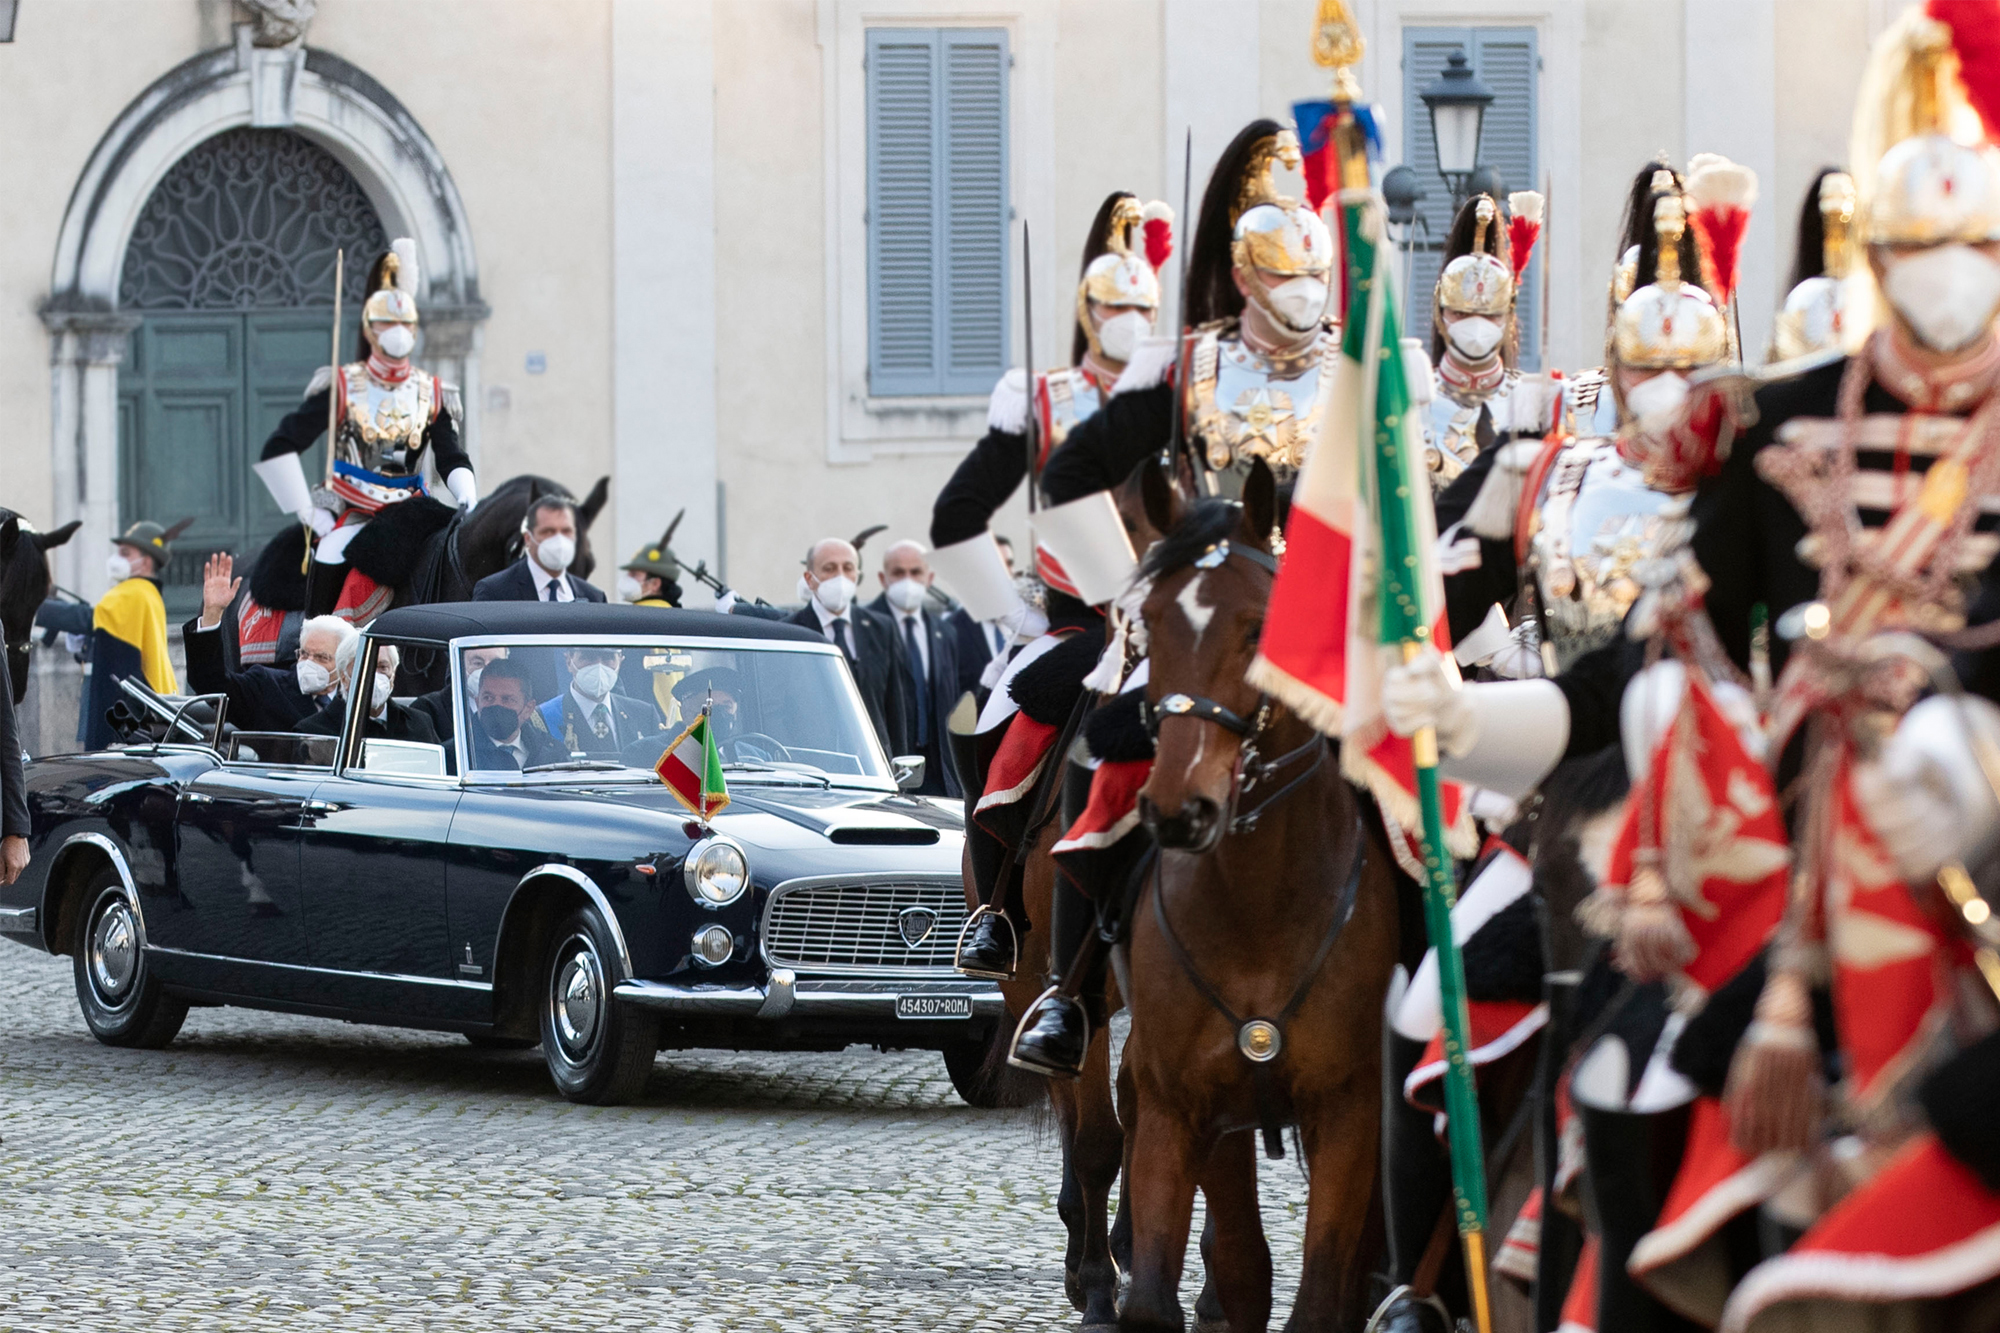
point(1975, 36)
point(405, 251)
point(1524, 228)
point(1721, 193)
point(1157, 225)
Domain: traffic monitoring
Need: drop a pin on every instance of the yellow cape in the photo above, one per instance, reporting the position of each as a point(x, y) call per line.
point(133, 611)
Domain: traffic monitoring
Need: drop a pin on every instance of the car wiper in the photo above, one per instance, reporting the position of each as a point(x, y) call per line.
point(779, 771)
point(575, 765)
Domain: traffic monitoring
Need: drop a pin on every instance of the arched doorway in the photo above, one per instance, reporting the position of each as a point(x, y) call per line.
point(230, 270)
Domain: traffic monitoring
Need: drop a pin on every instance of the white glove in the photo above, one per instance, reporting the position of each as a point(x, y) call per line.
point(1422, 693)
point(321, 521)
point(725, 601)
point(1925, 794)
point(463, 487)
point(1458, 550)
point(1024, 624)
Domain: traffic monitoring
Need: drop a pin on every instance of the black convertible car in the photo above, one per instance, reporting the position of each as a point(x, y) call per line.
point(531, 880)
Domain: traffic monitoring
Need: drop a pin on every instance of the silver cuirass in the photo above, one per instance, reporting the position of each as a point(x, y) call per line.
point(382, 425)
point(1242, 405)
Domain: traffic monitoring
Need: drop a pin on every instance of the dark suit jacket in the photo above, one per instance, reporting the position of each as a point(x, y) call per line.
point(877, 673)
point(437, 706)
point(516, 584)
point(541, 750)
point(401, 723)
point(631, 720)
point(261, 698)
point(14, 822)
point(934, 695)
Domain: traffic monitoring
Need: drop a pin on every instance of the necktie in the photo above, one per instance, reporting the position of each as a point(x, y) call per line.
point(840, 637)
point(600, 721)
point(550, 589)
point(999, 641)
point(917, 671)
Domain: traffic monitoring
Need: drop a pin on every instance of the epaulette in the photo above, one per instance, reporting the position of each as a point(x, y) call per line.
point(1150, 362)
point(322, 379)
point(1492, 512)
point(1007, 409)
point(454, 402)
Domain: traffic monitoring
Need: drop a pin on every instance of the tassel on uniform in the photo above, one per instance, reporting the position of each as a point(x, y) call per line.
point(1776, 1088)
point(1652, 939)
point(1493, 511)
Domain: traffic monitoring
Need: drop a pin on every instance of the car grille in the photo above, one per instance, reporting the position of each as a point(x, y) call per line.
point(854, 924)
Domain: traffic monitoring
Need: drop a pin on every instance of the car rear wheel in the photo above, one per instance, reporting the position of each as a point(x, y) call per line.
point(122, 1001)
point(980, 1072)
point(598, 1051)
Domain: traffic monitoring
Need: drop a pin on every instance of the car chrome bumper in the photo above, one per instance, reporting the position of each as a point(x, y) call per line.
point(787, 996)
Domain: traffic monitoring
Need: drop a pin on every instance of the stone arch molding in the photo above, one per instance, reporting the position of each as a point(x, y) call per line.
point(311, 92)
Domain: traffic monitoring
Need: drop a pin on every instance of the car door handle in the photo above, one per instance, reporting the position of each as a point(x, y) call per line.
point(319, 807)
point(197, 798)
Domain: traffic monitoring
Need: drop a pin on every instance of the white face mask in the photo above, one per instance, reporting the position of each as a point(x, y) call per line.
point(396, 341)
point(1946, 295)
point(907, 595)
point(313, 678)
point(1655, 401)
point(1299, 303)
point(628, 587)
point(555, 553)
point(805, 590)
point(472, 682)
point(379, 697)
point(835, 593)
point(1474, 337)
point(119, 568)
point(595, 681)
point(1119, 336)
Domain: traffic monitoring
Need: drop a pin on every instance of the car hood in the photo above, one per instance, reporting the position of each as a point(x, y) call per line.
point(863, 818)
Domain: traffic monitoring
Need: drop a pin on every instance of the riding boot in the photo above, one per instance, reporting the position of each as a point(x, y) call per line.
point(990, 942)
point(1055, 1032)
point(1631, 1157)
point(1416, 1173)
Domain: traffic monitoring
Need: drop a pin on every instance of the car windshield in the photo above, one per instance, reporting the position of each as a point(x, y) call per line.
point(609, 709)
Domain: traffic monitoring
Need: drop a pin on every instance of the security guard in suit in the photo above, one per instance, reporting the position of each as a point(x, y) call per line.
point(590, 719)
point(927, 656)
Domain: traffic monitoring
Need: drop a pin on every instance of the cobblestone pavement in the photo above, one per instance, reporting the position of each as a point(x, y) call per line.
point(270, 1172)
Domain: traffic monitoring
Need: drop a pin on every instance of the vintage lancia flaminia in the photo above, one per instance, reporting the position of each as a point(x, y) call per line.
point(530, 880)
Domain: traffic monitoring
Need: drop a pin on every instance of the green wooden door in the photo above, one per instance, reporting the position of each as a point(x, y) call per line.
point(230, 269)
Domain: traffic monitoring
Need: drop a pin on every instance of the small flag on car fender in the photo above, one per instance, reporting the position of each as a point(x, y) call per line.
point(692, 770)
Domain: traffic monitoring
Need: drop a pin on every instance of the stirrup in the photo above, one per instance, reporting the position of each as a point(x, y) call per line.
point(1033, 1067)
point(1013, 940)
point(1375, 1320)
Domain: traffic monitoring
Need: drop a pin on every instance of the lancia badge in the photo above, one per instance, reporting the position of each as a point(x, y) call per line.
point(914, 924)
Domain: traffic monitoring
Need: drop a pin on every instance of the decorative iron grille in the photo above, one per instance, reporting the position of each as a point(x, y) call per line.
point(250, 220)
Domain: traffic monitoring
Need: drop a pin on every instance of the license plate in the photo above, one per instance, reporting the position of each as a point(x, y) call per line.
point(933, 1006)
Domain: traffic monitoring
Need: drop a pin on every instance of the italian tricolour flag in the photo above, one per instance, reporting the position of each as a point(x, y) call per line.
point(1360, 575)
point(692, 770)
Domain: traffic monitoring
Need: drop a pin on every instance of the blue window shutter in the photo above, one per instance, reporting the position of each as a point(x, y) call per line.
point(1505, 60)
point(904, 167)
point(975, 209)
point(937, 210)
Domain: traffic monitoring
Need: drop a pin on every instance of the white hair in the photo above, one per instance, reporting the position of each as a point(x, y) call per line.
point(350, 648)
point(340, 629)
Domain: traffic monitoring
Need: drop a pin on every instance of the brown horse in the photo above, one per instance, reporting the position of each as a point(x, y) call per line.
point(1269, 929)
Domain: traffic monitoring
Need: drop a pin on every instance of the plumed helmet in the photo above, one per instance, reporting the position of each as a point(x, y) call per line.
point(1121, 267)
point(1479, 279)
point(394, 301)
point(1271, 232)
point(1814, 315)
point(1670, 323)
point(1930, 190)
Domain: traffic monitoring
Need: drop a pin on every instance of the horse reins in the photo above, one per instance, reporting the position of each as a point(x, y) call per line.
point(1259, 1040)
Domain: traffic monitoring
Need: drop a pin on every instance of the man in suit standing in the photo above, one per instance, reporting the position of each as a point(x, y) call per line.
point(261, 698)
point(833, 573)
point(506, 737)
point(927, 657)
point(548, 536)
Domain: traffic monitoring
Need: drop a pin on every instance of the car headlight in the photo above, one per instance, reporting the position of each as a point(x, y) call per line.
point(713, 944)
point(716, 872)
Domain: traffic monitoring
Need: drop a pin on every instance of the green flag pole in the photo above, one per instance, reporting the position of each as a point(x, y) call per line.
point(1376, 344)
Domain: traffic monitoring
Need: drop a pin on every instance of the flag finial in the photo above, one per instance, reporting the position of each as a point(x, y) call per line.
point(1337, 45)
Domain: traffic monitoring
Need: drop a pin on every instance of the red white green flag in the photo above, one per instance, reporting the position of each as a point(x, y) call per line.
point(692, 770)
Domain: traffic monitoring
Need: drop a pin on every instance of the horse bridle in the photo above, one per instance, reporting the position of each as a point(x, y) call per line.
point(1252, 768)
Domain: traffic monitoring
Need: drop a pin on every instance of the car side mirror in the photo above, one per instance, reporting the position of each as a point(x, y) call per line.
point(908, 770)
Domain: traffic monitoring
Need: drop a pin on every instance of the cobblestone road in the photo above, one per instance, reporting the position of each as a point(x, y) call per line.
point(271, 1172)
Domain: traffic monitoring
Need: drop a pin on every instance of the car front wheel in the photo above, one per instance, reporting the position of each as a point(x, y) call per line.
point(122, 1001)
point(598, 1051)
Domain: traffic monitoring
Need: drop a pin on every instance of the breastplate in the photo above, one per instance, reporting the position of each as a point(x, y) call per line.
point(1596, 522)
point(1242, 405)
point(383, 427)
point(1069, 398)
